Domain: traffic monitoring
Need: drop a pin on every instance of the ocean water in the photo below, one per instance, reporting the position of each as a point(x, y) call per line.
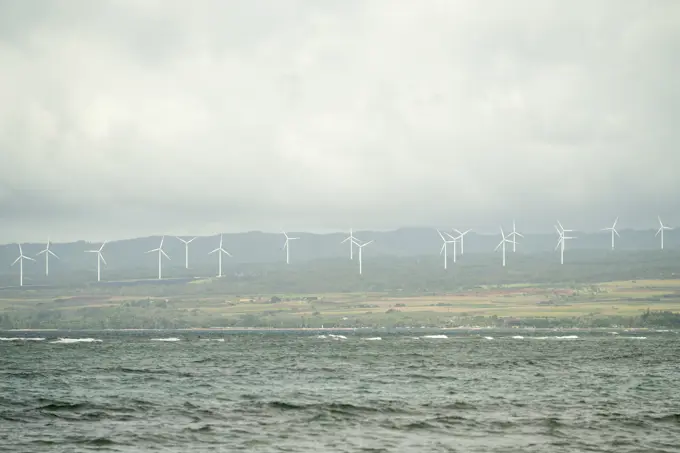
point(497, 391)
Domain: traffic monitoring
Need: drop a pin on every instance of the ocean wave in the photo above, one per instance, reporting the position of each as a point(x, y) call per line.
point(562, 337)
point(517, 337)
point(633, 338)
point(21, 339)
point(488, 338)
point(373, 338)
point(435, 336)
point(76, 340)
point(166, 339)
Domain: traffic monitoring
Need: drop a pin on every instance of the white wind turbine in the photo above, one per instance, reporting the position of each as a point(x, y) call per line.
point(562, 240)
point(286, 245)
point(100, 258)
point(20, 260)
point(504, 240)
point(351, 239)
point(660, 230)
point(161, 254)
point(219, 250)
point(47, 253)
point(514, 235)
point(186, 250)
point(461, 236)
point(444, 249)
point(613, 230)
point(361, 248)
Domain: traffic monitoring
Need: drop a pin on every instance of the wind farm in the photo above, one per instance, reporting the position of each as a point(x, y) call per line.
point(451, 249)
point(402, 267)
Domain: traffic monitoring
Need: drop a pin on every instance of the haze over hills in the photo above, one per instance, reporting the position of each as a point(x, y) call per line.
point(254, 251)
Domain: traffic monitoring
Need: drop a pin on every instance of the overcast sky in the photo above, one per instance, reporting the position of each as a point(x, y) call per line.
point(138, 117)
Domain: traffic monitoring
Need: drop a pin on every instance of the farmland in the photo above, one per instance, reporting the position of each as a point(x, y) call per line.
point(603, 304)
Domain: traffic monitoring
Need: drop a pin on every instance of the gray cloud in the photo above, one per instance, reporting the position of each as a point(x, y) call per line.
point(124, 118)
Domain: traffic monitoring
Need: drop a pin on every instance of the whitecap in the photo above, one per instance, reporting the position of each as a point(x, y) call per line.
point(635, 338)
point(166, 339)
point(212, 339)
point(488, 338)
point(337, 337)
point(76, 340)
point(373, 339)
point(517, 337)
point(564, 337)
point(21, 339)
point(434, 336)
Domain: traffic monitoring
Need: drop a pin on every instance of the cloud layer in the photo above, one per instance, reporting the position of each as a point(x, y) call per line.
point(125, 118)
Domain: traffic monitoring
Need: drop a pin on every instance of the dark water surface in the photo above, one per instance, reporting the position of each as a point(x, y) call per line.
point(302, 393)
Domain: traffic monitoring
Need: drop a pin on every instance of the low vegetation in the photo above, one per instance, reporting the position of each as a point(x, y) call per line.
point(638, 303)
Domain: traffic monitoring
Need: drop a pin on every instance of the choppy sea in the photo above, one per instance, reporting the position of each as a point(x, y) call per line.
point(459, 391)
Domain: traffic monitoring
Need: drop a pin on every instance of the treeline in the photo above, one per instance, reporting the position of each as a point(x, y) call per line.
point(407, 275)
point(131, 317)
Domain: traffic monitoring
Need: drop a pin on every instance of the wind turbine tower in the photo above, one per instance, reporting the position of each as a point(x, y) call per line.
point(562, 239)
point(461, 236)
point(351, 239)
point(47, 253)
point(20, 260)
point(286, 245)
point(504, 240)
point(613, 230)
point(444, 249)
point(161, 254)
point(660, 230)
point(361, 248)
point(514, 235)
point(220, 250)
point(186, 250)
point(100, 259)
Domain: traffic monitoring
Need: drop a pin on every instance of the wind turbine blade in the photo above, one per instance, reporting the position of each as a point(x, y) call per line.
point(660, 222)
point(191, 240)
point(29, 258)
point(177, 237)
point(442, 249)
point(103, 260)
point(346, 239)
point(559, 242)
point(617, 233)
point(558, 230)
point(441, 235)
point(41, 252)
point(366, 243)
point(227, 253)
point(102, 247)
point(615, 221)
point(561, 227)
point(452, 238)
point(53, 254)
point(519, 234)
point(658, 231)
point(154, 250)
point(162, 239)
point(165, 255)
point(217, 249)
point(499, 244)
point(16, 261)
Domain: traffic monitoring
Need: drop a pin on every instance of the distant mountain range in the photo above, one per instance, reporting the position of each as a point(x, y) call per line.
point(128, 257)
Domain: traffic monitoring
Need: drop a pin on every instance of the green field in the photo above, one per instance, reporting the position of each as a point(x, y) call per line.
point(610, 302)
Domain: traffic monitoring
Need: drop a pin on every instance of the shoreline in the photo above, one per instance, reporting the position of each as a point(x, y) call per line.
point(353, 329)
